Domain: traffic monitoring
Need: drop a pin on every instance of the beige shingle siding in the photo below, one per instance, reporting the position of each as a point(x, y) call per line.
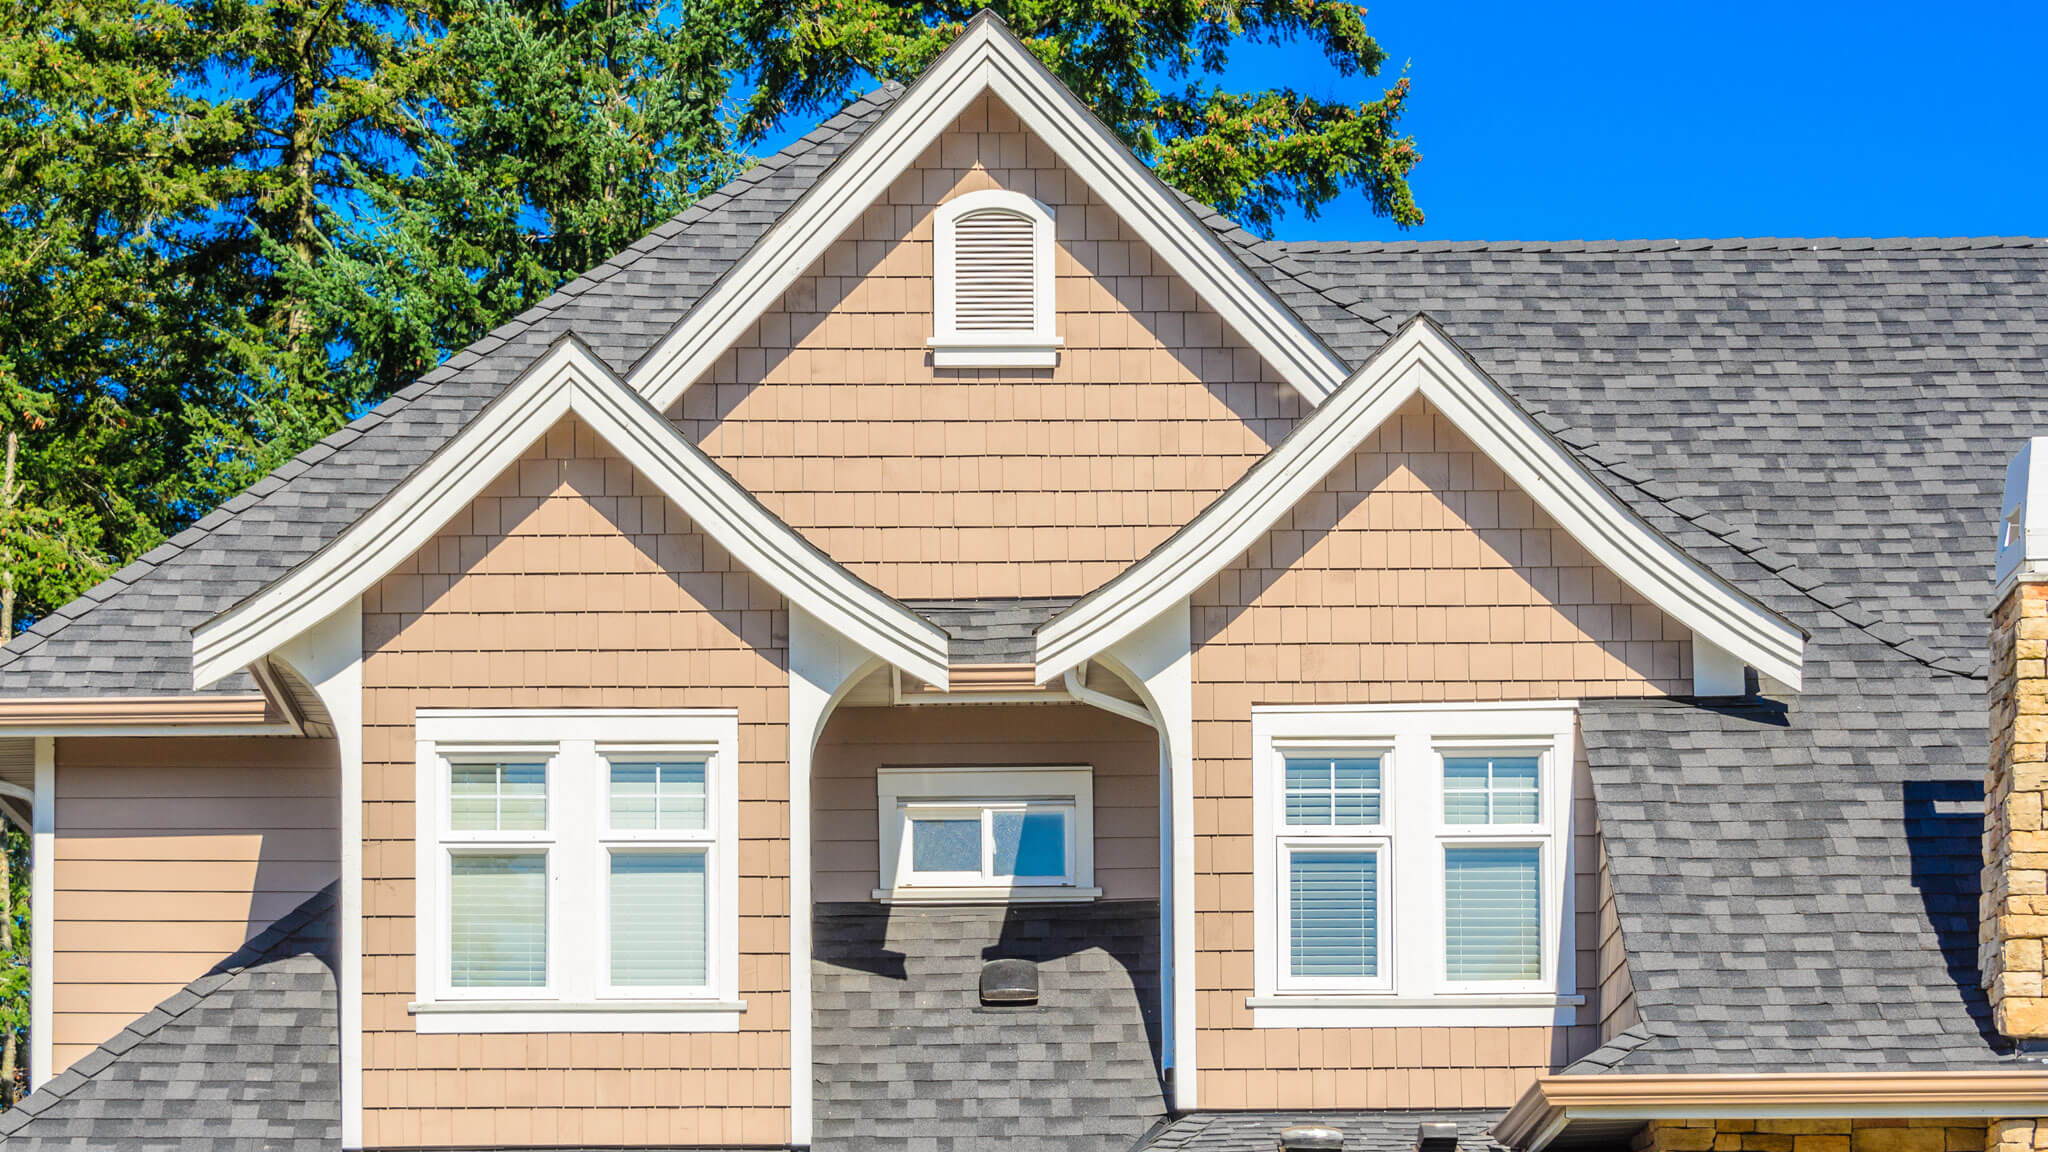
point(1123, 754)
point(1415, 573)
point(573, 582)
point(984, 482)
point(170, 854)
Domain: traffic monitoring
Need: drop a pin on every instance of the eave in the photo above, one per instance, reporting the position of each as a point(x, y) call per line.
point(1558, 1109)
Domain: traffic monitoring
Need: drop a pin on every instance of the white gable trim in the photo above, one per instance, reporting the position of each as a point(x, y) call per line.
point(567, 378)
point(986, 58)
point(1421, 360)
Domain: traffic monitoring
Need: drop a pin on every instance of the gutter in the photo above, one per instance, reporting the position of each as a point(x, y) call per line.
point(1554, 1103)
point(142, 715)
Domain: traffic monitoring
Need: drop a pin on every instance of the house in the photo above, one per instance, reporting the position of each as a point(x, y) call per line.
point(948, 644)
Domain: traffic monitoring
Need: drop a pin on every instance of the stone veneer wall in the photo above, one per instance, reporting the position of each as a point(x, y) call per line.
point(2014, 918)
point(1860, 1135)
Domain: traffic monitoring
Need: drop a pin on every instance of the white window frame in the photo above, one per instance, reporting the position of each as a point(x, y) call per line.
point(954, 348)
point(901, 793)
point(1413, 988)
point(579, 996)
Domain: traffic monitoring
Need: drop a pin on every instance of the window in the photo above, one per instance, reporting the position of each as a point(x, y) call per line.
point(1413, 865)
point(993, 283)
point(985, 834)
point(578, 871)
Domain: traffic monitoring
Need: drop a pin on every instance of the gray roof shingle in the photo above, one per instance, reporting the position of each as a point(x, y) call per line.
point(991, 631)
point(243, 1059)
point(1389, 1130)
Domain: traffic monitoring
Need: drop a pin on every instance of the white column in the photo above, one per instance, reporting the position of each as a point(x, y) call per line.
point(42, 913)
point(329, 656)
point(823, 665)
point(1158, 658)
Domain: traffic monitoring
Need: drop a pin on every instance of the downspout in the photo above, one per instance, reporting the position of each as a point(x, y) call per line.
point(1104, 700)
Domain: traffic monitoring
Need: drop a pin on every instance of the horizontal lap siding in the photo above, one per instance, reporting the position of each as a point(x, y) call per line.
point(1123, 753)
point(1415, 573)
point(573, 583)
point(170, 854)
point(981, 482)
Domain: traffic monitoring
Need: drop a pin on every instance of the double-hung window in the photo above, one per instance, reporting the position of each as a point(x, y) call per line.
point(577, 870)
point(1412, 865)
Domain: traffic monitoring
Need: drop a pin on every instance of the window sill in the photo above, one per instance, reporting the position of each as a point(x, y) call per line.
point(476, 1016)
point(987, 895)
point(1382, 1011)
point(969, 352)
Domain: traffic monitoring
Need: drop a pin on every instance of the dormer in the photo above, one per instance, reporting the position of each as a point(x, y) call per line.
point(993, 283)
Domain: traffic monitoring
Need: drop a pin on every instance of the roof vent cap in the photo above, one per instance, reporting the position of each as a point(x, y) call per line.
point(1311, 1138)
point(1009, 982)
point(1436, 1136)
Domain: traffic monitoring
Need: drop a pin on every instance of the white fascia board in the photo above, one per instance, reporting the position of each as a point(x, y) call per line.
point(567, 378)
point(1421, 360)
point(986, 58)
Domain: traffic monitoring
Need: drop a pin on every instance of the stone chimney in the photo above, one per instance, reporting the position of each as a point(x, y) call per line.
point(2014, 921)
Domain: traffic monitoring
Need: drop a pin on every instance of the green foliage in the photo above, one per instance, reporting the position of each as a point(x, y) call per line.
point(1146, 68)
point(227, 226)
point(14, 985)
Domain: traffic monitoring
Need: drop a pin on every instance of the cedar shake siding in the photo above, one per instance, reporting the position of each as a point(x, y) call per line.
point(572, 582)
point(974, 483)
point(170, 855)
point(1415, 573)
point(1123, 753)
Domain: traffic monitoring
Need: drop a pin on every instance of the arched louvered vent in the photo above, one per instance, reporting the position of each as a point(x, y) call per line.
point(993, 283)
point(993, 277)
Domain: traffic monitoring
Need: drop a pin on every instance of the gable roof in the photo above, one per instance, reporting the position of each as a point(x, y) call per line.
point(1826, 422)
point(568, 379)
point(987, 58)
point(242, 1059)
point(1420, 360)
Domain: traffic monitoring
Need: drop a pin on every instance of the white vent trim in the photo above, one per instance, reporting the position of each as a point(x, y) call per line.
point(992, 282)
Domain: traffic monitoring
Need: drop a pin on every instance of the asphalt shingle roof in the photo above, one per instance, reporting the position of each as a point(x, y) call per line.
point(991, 631)
point(243, 1059)
point(1390, 1130)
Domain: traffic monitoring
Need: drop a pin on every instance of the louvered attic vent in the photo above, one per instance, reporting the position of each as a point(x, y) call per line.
point(993, 283)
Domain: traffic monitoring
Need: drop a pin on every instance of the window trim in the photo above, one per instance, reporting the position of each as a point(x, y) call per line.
point(579, 995)
point(1413, 987)
point(900, 792)
point(953, 347)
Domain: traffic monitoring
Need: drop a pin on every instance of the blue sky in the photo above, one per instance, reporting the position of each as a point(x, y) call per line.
point(1795, 118)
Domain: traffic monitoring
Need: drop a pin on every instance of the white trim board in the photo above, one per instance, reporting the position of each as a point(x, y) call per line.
point(568, 378)
point(986, 58)
point(1420, 360)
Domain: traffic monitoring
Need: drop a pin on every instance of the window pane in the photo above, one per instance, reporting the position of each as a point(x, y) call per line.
point(1333, 913)
point(494, 796)
point(1492, 909)
point(945, 846)
point(682, 795)
point(498, 913)
point(1031, 845)
point(658, 919)
point(632, 801)
point(1326, 791)
point(1491, 790)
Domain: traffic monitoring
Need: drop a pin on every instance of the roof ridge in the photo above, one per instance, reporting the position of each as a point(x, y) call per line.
point(1676, 244)
point(402, 398)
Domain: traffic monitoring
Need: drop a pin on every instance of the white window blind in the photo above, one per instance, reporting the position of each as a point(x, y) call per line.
point(497, 796)
point(994, 272)
point(1491, 790)
point(658, 919)
point(1324, 790)
point(1493, 912)
point(1333, 914)
point(499, 920)
point(657, 795)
